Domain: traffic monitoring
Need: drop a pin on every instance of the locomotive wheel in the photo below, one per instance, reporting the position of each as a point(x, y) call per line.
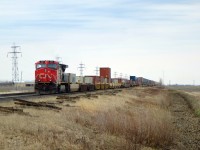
point(37, 92)
point(67, 88)
point(58, 89)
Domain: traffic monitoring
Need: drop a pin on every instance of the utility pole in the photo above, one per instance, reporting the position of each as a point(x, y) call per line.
point(163, 77)
point(14, 56)
point(97, 71)
point(81, 68)
point(21, 75)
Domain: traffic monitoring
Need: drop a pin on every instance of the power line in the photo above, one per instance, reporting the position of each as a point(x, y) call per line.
point(15, 71)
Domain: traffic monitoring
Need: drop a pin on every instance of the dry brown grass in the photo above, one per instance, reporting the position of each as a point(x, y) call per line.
point(141, 121)
point(133, 119)
point(193, 99)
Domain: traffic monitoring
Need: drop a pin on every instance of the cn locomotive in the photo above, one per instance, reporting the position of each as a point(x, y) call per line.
point(50, 77)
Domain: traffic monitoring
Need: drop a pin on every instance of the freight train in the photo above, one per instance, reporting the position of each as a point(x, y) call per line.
point(50, 77)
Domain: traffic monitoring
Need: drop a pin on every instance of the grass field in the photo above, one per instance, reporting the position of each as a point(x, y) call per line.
point(132, 119)
point(188, 88)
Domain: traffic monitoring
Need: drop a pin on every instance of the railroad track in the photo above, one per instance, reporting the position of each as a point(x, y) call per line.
point(7, 97)
point(22, 100)
point(11, 96)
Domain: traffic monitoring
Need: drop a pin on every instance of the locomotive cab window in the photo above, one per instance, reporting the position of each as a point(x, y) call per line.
point(38, 66)
point(52, 66)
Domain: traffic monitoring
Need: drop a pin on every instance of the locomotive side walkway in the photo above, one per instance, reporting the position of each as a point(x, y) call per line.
point(187, 125)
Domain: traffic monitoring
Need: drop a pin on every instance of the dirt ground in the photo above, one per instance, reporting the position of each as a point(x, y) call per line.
point(138, 118)
point(186, 123)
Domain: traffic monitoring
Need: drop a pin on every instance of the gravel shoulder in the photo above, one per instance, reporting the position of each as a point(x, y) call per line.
point(187, 125)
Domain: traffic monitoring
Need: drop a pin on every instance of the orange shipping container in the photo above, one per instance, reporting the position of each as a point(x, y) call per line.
point(105, 72)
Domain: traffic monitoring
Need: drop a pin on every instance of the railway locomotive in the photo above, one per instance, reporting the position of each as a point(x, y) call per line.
point(50, 77)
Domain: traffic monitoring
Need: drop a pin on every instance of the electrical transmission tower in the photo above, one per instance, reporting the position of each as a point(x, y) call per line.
point(97, 71)
point(115, 74)
point(81, 68)
point(126, 76)
point(121, 75)
point(15, 71)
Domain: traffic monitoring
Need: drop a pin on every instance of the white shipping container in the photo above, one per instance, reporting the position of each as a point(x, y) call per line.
point(115, 80)
point(66, 79)
point(79, 79)
point(70, 78)
point(123, 81)
point(88, 80)
point(111, 85)
point(74, 87)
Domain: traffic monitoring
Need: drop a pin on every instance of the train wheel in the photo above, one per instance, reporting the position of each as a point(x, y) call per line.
point(58, 89)
point(67, 88)
point(37, 92)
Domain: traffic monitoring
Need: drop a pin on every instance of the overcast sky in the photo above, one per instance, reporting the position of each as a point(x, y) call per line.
point(148, 38)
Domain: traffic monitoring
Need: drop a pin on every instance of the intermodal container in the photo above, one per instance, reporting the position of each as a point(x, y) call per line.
point(70, 77)
point(96, 79)
point(106, 73)
point(139, 81)
point(119, 80)
point(102, 80)
point(74, 87)
point(88, 80)
point(79, 79)
point(133, 78)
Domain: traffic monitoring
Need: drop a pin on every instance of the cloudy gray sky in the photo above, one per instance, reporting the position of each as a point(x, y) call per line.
point(147, 38)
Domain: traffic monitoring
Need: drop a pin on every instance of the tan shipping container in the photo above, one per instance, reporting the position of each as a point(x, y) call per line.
point(74, 87)
point(88, 80)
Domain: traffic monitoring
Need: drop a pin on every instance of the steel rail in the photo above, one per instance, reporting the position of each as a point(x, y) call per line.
point(11, 96)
